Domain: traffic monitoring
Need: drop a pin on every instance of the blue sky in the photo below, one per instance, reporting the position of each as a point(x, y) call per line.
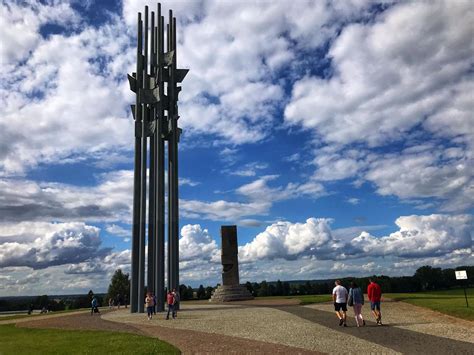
point(337, 135)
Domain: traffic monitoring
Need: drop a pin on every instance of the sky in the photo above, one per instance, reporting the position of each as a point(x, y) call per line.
point(337, 135)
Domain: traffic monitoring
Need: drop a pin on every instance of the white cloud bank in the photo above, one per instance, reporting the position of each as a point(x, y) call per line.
point(418, 236)
point(404, 78)
point(61, 251)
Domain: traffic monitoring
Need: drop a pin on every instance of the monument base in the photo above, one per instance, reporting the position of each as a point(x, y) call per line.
point(230, 294)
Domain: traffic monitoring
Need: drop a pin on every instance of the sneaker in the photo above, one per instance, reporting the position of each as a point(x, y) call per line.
point(363, 323)
point(341, 321)
point(345, 325)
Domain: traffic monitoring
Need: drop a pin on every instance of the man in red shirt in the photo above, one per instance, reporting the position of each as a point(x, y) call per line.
point(170, 300)
point(374, 293)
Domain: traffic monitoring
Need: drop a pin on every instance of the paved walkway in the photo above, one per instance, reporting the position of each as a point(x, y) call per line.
point(283, 327)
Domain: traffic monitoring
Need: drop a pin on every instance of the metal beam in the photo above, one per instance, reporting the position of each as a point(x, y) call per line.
point(160, 173)
point(143, 196)
point(136, 185)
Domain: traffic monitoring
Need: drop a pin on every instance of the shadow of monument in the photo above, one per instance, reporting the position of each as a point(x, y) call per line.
point(402, 340)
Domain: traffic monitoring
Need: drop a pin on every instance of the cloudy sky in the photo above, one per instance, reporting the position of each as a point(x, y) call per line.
point(338, 136)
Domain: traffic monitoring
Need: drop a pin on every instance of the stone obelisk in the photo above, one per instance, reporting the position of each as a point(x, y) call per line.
point(230, 290)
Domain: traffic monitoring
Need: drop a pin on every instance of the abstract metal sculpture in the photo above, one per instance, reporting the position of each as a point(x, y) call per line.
point(156, 121)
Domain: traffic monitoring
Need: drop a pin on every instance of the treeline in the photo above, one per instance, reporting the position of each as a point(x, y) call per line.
point(426, 278)
point(49, 303)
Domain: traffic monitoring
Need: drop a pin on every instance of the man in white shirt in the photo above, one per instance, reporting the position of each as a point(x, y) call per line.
point(339, 296)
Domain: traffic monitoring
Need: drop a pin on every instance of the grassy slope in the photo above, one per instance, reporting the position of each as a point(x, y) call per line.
point(47, 341)
point(451, 302)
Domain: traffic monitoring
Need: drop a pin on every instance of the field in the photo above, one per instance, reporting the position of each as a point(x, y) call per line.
point(48, 341)
point(304, 299)
point(451, 302)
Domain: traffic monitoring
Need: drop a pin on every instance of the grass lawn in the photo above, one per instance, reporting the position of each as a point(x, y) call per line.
point(451, 302)
point(305, 299)
point(56, 341)
point(24, 315)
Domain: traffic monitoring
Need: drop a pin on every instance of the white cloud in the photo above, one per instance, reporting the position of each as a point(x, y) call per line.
point(413, 88)
point(418, 236)
point(68, 97)
point(51, 244)
point(353, 201)
point(426, 173)
point(21, 22)
point(110, 200)
point(383, 85)
point(433, 235)
point(288, 240)
point(118, 231)
point(196, 243)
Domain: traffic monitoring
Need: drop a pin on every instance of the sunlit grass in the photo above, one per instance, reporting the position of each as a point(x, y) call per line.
point(57, 341)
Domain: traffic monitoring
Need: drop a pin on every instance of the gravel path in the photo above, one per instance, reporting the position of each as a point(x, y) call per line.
point(188, 341)
point(281, 326)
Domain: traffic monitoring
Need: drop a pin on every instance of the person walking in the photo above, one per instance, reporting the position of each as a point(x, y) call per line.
point(149, 305)
point(170, 302)
point(356, 300)
point(94, 306)
point(177, 299)
point(374, 293)
point(339, 296)
point(154, 304)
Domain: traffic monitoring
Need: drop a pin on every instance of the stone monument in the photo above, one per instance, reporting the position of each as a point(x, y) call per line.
point(230, 290)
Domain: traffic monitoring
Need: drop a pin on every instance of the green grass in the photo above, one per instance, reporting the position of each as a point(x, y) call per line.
point(451, 302)
point(304, 299)
point(23, 315)
point(56, 341)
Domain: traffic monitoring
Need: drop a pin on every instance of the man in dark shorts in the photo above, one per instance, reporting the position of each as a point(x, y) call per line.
point(339, 296)
point(374, 293)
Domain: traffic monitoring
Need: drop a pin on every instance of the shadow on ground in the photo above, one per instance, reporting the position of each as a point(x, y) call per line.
point(389, 336)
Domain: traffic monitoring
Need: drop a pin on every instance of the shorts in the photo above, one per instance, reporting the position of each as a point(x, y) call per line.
point(339, 306)
point(375, 305)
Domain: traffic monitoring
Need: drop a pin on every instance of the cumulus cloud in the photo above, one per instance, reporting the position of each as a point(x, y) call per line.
point(21, 24)
point(412, 88)
point(52, 244)
point(69, 92)
point(196, 243)
point(418, 236)
point(26, 200)
point(383, 85)
point(290, 240)
point(231, 90)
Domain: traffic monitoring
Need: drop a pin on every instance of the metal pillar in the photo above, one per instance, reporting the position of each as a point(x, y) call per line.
point(156, 72)
point(173, 225)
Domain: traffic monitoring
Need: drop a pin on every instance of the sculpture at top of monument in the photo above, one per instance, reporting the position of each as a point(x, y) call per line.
point(230, 290)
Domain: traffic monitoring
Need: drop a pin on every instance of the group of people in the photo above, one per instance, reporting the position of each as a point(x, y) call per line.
point(118, 301)
point(355, 298)
point(172, 301)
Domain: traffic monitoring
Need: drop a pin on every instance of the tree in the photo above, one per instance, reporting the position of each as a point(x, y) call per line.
point(263, 291)
point(201, 292)
point(428, 277)
point(119, 285)
point(279, 288)
point(209, 290)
